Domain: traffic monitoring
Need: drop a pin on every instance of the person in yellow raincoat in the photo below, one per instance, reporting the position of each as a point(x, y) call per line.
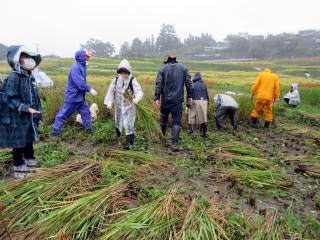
point(266, 88)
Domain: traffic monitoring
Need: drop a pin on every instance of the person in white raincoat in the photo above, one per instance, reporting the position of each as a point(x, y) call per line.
point(292, 97)
point(125, 109)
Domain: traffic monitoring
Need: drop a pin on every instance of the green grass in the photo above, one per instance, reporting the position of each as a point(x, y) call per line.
point(51, 154)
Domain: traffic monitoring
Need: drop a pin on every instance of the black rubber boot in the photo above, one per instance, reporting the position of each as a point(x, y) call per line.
point(118, 133)
point(88, 130)
point(163, 129)
point(175, 133)
point(129, 141)
point(191, 129)
point(266, 125)
point(203, 130)
point(218, 123)
point(254, 122)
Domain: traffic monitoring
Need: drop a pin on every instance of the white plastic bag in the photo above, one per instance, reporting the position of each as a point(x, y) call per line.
point(42, 79)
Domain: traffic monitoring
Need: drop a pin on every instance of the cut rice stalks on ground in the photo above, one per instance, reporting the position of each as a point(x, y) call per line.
point(24, 198)
point(131, 164)
point(81, 218)
point(271, 229)
point(255, 178)
point(204, 222)
point(138, 158)
point(169, 217)
point(156, 220)
point(240, 161)
point(305, 164)
point(237, 148)
point(312, 169)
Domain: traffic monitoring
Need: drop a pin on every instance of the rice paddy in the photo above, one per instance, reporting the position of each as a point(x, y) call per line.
point(237, 185)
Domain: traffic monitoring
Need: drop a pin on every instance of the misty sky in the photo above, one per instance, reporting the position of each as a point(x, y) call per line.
point(60, 26)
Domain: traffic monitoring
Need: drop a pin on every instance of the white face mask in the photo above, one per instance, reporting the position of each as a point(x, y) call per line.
point(29, 64)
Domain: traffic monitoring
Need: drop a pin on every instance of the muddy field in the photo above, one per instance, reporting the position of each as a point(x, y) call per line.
point(247, 184)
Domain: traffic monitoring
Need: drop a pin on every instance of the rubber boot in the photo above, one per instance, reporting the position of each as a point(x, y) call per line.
point(191, 129)
point(234, 124)
point(118, 133)
point(266, 125)
point(203, 130)
point(254, 122)
point(175, 133)
point(31, 164)
point(20, 172)
point(163, 129)
point(88, 130)
point(218, 124)
point(129, 141)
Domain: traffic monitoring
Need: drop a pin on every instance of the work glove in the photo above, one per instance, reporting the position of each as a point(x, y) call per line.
point(135, 101)
point(276, 100)
point(93, 92)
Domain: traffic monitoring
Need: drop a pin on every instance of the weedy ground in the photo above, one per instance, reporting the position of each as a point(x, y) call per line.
point(244, 184)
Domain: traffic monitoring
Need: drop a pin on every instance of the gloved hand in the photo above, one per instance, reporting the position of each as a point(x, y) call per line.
point(276, 100)
point(135, 101)
point(93, 92)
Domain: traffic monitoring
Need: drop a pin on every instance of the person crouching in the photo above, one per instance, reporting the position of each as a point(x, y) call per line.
point(125, 92)
point(198, 111)
point(226, 106)
point(292, 98)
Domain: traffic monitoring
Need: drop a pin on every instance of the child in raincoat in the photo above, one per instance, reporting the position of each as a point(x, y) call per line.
point(20, 109)
point(123, 86)
point(292, 97)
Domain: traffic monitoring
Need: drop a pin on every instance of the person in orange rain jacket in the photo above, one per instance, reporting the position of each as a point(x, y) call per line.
point(266, 88)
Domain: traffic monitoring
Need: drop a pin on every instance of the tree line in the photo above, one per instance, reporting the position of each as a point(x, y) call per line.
point(305, 43)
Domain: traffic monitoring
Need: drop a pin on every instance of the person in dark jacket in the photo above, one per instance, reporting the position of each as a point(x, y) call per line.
point(74, 100)
point(20, 109)
point(198, 111)
point(169, 94)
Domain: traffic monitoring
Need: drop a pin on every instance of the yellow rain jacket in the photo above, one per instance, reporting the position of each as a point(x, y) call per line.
point(266, 86)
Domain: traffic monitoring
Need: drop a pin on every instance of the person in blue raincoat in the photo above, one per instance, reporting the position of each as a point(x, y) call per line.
point(20, 109)
point(74, 100)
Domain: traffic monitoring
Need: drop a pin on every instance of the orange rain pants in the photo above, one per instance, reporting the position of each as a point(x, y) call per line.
point(264, 105)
